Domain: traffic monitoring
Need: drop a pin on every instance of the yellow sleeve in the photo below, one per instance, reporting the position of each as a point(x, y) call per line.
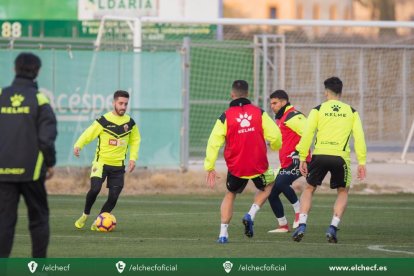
point(89, 135)
point(271, 132)
point(41, 99)
point(215, 142)
point(134, 143)
point(359, 140)
point(297, 124)
point(308, 133)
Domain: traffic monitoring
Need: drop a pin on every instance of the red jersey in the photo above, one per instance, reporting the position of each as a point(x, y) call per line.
point(290, 137)
point(245, 151)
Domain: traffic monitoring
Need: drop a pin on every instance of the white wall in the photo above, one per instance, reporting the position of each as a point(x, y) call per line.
point(206, 9)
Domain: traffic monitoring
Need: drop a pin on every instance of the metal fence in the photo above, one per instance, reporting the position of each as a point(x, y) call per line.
point(378, 81)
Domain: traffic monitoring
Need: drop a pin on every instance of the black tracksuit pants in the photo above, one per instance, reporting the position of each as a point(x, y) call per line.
point(35, 196)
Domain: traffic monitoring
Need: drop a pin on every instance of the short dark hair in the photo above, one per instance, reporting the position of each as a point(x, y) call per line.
point(279, 94)
point(121, 93)
point(240, 87)
point(334, 84)
point(27, 65)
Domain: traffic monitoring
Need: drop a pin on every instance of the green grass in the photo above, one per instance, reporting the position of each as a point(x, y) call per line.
point(187, 226)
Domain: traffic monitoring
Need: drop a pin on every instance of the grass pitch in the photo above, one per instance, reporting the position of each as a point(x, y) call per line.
point(188, 225)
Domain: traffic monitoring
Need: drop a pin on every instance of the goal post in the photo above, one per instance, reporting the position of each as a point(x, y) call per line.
point(408, 142)
point(120, 33)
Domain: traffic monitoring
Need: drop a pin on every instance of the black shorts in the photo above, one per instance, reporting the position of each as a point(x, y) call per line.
point(320, 165)
point(113, 174)
point(236, 184)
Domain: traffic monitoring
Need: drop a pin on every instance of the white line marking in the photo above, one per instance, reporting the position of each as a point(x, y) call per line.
point(380, 248)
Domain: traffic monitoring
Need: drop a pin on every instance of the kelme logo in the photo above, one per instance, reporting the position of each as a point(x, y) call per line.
point(16, 100)
point(244, 120)
point(335, 108)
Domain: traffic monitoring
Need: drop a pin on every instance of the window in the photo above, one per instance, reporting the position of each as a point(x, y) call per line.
point(332, 12)
point(316, 16)
point(347, 15)
point(316, 12)
point(299, 12)
point(272, 12)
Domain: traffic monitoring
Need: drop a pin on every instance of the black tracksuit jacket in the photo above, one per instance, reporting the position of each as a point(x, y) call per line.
point(28, 131)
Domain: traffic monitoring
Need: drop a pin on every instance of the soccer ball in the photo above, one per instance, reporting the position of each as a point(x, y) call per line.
point(106, 222)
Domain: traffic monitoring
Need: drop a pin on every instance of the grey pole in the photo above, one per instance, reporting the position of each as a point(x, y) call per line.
point(220, 15)
point(256, 70)
point(404, 94)
point(185, 121)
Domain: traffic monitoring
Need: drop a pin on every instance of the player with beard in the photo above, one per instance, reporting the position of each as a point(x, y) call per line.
point(116, 132)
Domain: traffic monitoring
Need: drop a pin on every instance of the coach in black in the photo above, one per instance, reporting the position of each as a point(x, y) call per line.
point(27, 155)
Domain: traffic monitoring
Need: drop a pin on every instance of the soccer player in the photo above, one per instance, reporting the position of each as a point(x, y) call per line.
point(334, 122)
point(116, 132)
point(27, 145)
point(291, 123)
point(244, 128)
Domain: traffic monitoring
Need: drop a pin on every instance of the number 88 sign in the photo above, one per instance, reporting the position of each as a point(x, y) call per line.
point(11, 29)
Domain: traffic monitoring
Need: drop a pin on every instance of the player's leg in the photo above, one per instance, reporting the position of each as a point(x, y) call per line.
point(226, 210)
point(277, 206)
point(264, 184)
point(340, 180)
point(234, 186)
point(9, 200)
point(35, 196)
point(96, 185)
point(98, 176)
point(305, 206)
point(317, 172)
point(340, 203)
point(282, 184)
point(115, 184)
point(290, 193)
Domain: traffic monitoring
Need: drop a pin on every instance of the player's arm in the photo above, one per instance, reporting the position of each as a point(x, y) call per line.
point(215, 142)
point(87, 136)
point(134, 143)
point(271, 132)
point(297, 123)
point(308, 133)
point(359, 140)
point(47, 130)
point(359, 145)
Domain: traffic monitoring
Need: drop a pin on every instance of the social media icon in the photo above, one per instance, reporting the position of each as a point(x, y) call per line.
point(32, 266)
point(120, 266)
point(227, 266)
